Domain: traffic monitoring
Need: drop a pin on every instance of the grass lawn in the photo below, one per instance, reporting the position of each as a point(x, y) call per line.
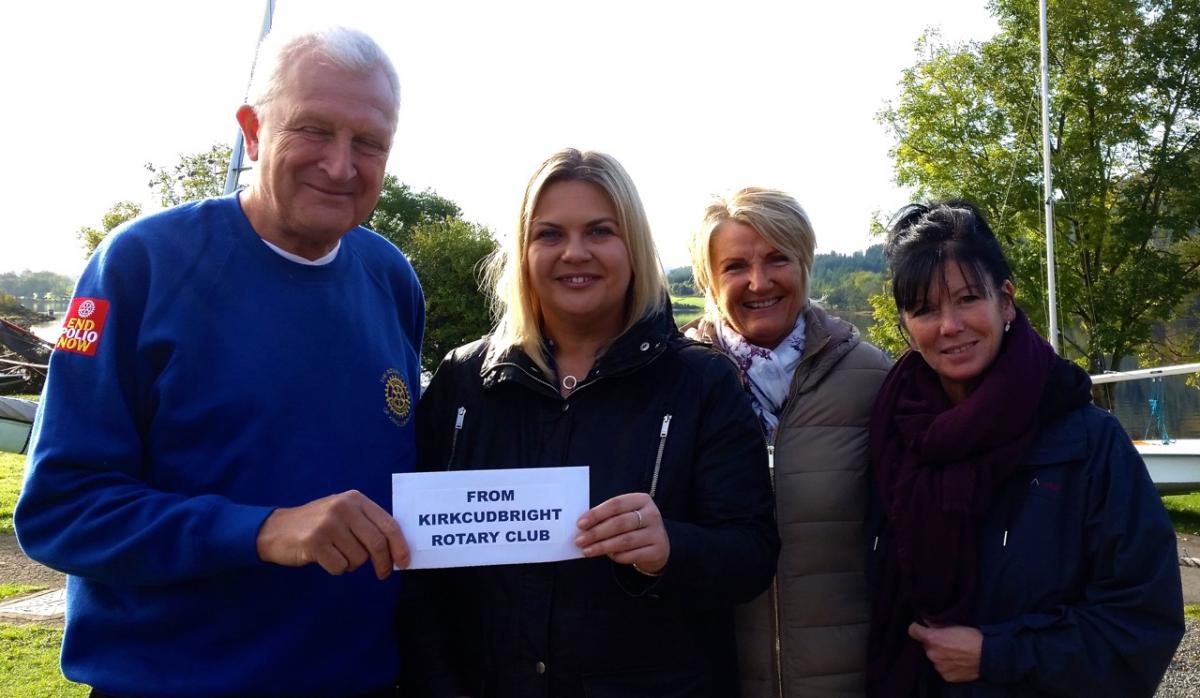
point(695, 305)
point(7, 590)
point(29, 663)
point(12, 470)
point(1184, 510)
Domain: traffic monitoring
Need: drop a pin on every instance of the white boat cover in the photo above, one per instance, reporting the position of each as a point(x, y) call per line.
point(17, 409)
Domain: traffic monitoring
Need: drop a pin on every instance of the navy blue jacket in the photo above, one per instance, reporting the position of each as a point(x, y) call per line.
point(1079, 590)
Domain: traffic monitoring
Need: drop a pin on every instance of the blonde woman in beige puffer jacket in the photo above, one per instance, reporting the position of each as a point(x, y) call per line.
point(812, 381)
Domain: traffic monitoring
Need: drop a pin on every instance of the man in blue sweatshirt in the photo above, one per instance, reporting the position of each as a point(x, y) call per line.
point(233, 387)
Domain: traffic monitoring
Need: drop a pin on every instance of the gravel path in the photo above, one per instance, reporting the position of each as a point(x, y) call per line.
point(15, 568)
point(1181, 681)
point(1183, 676)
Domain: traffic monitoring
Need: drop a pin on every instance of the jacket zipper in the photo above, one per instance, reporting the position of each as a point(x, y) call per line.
point(789, 403)
point(777, 650)
point(777, 633)
point(662, 443)
point(777, 636)
point(458, 425)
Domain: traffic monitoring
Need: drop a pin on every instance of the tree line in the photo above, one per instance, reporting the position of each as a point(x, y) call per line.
point(37, 285)
point(1125, 153)
point(444, 249)
point(1125, 149)
point(838, 281)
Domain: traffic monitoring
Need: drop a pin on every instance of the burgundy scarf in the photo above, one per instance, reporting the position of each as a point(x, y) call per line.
point(936, 467)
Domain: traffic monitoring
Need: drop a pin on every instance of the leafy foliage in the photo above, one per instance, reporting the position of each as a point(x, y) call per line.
point(400, 210)
point(45, 285)
point(194, 177)
point(885, 333)
point(446, 255)
point(1125, 149)
point(444, 249)
point(116, 215)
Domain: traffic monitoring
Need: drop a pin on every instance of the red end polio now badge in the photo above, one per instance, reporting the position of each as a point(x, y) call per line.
point(83, 326)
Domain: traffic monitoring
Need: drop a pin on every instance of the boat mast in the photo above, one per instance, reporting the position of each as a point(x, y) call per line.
point(235, 155)
point(1048, 183)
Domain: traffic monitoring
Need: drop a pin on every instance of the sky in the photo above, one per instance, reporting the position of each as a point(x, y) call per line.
point(695, 98)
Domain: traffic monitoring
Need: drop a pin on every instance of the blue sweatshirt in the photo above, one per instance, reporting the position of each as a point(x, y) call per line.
point(202, 381)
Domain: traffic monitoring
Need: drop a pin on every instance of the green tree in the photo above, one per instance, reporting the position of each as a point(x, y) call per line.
point(194, 177)
point(400, 210)
point(45, 284)
point(1125, 118)
point(853, 290)
point(119, 213)
point(885, 333)
point(446, 255)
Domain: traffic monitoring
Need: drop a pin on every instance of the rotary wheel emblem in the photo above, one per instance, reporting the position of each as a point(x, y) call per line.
point(397, 397)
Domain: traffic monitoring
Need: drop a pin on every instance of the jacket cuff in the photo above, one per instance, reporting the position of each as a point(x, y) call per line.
point(998, 661)
point(635, 583)
point(233, 532)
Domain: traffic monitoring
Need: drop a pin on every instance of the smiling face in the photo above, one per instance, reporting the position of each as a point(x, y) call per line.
point(959, 327)
point(756, 286)
point(577, 261)
point(321, 145)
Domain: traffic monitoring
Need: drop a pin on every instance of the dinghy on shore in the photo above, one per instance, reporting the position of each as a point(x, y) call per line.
point(16, 423)
point(1174, 464)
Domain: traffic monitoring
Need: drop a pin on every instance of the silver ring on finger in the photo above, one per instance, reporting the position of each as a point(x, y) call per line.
point(641, 521)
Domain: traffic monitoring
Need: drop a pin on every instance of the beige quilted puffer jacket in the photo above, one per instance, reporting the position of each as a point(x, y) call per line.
point(806, 636)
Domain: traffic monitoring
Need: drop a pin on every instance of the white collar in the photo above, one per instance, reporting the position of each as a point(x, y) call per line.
point(320, 262)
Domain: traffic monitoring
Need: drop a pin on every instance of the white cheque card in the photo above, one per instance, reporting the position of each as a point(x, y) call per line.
point(463, 518)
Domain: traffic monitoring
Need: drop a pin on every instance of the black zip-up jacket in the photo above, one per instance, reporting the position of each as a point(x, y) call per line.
point(657, 414)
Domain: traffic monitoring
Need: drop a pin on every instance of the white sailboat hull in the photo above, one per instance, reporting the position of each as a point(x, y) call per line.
point(16, 421)
point(14, 435)
point(1175, 466)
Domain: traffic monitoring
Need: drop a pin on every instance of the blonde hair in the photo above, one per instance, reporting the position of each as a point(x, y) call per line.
point(514, 302)
point(774, 215)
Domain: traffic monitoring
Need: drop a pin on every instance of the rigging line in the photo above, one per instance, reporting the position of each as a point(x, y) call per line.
point(1013, 172)
point(1058, 308)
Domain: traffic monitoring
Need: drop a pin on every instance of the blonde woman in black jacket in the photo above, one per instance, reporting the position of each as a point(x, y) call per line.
point(586, 368)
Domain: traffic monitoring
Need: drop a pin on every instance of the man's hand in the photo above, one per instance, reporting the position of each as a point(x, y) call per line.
point(339, 532)
point(955, 650)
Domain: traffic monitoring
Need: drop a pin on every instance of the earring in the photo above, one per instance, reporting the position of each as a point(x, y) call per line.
point(1007, 324)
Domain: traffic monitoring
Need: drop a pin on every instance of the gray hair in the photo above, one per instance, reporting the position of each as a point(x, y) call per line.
point(343, 47)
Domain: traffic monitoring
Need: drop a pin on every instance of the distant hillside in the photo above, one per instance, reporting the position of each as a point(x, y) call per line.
point(841, 281)
point(847, 281)
point(36, 284)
